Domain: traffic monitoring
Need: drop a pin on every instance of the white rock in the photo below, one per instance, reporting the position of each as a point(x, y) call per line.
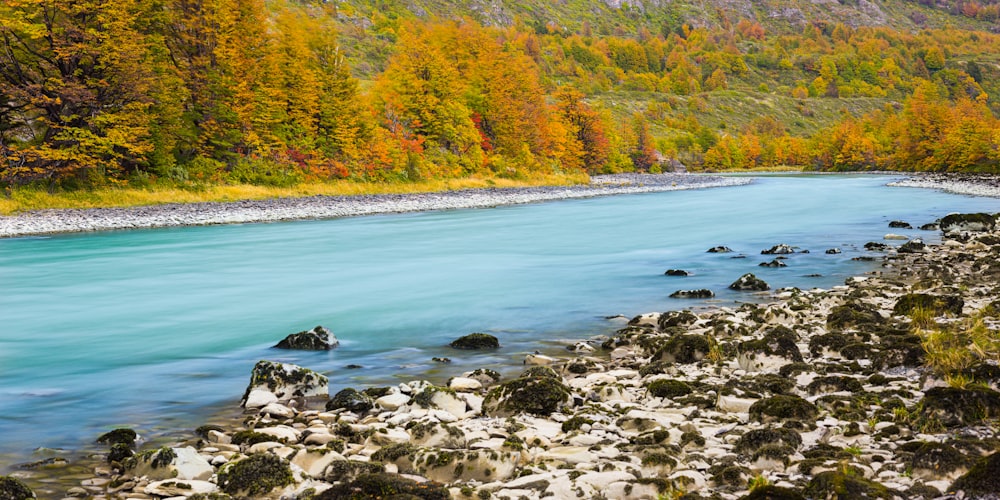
point(538, 359)
point(218, 437)
point(569, 454)
point(282, 432)
point(319, 438)
point(449, 403)
point(601, 480)
point(259, 398)
point(179, 488)
point(893, 236)
point(191, 465)
point(462, 384)
point(390, 436)
point(278, 410)
point(621, 353)
point(314, 462)
point(474, 402)
point(733, 404)
point(392, 402)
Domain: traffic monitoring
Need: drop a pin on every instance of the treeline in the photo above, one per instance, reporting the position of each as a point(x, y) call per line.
point(99, 92)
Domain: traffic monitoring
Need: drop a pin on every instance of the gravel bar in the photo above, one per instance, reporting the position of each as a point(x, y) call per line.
point(969, 184)
point(325, 207)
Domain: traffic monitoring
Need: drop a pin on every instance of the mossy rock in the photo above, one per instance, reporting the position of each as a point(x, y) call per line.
point(954, 407)
point(476, 341)
point(856, 350)
point(719, 249)
point(731, 475)
point(755, 439)
point(348, 470)
point(213, 496)
point(992, 309)
point(898, 224)
point(938, 459)
point(251, 437)
point(539, 372)
point(676, 318)
point(575, 423)
point(676, 272)
point(11, 488)
point(875, 246)
point(834, 383)
point(123, 436)
point(772, 492)
point(783, 407)
point(351, 400)
point(317, 339)
point(160, 457)
point(832, 341)
point(385, 486)
point(581, 366)
point(255, 475)
point(667, 388)
point(760, 385)
point(937, 305)
point(749, 282)
point(701, 293)
point(778, 341)
point(286, 380)
point(982, 481)
point(540, 396)
point(120, 452)
point(842, 485)
point(899, 350)
point(958, 223)
point(853, 315)
point(915, 245)
point(684, 349)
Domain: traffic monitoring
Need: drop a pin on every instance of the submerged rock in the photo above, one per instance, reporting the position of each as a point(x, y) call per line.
point(476, 341)
point(833, 251)
point(118, 436)
point(677, 272)
point(780, 249)
point(719, 249)
point(773, 263)
point(702, 293)
point(875, 246)
point(317, 339)
point(898, 224)
point(749, 282)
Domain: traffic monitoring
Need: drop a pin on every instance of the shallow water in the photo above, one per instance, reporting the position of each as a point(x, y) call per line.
point(138, 328)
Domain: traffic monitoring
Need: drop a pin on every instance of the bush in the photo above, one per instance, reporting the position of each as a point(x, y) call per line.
point(260, 172)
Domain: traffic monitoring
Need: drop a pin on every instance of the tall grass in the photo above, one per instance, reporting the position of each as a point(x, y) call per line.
point(30, 198)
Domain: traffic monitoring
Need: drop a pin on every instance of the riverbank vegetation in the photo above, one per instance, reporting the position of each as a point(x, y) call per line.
point(198, 96)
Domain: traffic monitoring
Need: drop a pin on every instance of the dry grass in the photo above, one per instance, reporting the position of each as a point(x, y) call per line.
point(28, 199)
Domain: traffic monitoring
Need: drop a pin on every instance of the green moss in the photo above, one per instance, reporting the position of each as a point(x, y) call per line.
point(954, 407)
point(982, 479)
point(783, 407)
point(667, 388)
point(675, 318)
point(657, 459)
point(535, 395)
point(539, 372)
point(157, 458)
point(732, 475)
point(684, 349)
point(853, 315)
point(250, 438)
point(210, 496)
point(346, 470)
point(777, 452)
point(255, 475)
point(768, 383)
point(755, 439)
point(935, 304)
point(12, 488)
point(202, 431)
point(938, 457)
point(772, 492)
point(120, 452)
point(778, 341)
point(351, 400)
point(425, 397)
point(834, 383)
point(393, 452)
point(476, 341)
point(692, 437)
point(123, 436)
point(574, 423)
point(844, 485)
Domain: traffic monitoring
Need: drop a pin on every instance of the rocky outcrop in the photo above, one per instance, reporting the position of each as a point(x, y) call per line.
point(317, 339)
point(720, 249)
point(272, 382)
point(701, 293)
point(773, 263)
point(474, 341)
point(779, 249)
point(898, 224)
point(749, 282)
point(957, 224)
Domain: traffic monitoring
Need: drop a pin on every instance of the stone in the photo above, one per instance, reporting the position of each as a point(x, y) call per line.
point(782, 408)
point(840, 484)
point(11, 488)
point(894, 236)
point(474, 341)
point(255, 476)
point(749, 282)
point(170, 463)
point(982, 481)
point(351, 400)
point(720, 249)
point(286, 381)
point(392, 402)
point(671, 319)
point(684, 349)
point(937, 305)
point(915, 245)
point(462, 384)
point(385, 485)
point(180, 488)
point(701, 293)
point(780, 249)
point(667, 388)
point(258, 398)
point(277, 410)
point(898, 224)
point(677, 272)
point(773, 263)
point(955, 224)
point(875, 246)
point(534, 394)
point(833, 251)
point(317, 339)
point(955, 407)
point(538, 359)
point(118, 436)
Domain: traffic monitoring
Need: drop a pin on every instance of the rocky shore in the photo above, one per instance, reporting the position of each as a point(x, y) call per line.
point(324, 207)
point(970, 184)
point(884, 387)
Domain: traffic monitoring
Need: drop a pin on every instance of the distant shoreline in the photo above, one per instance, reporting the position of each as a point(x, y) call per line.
point(44, 222)
point(968, 184)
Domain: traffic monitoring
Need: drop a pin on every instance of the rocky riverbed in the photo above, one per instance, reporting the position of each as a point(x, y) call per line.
point(325, 207)
point(971, 184)
point(884, 387)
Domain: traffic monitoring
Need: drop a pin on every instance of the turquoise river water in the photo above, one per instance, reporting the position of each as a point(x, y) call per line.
point(159, 328)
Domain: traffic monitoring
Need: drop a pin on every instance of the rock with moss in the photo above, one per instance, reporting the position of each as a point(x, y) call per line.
point(834, 383)
point(449, 465)
point(845, 484)
point(317, 339)
point(119, 452)
point(937, 305)
point(170, 463)
point(956, 224)
point(255, 476)
point(937, 461)
point(875, 246)
point(350, 399)
point(720, 249)
point(783, 407)
point(485, 376)
point(915, 245)
point(749, 282)
point(475, 341)
point(954, 407)
point(284, 381)
point(11, 488)
point(701, 293)
point(536, 394)
point(349, 470)
point(755, 439)
point(853, 315)
point(982, 482)
point(123, 436)
point(669, 388)
point(683, 349)
point(672, 319)
point(384, 485)
point(772, 492)
point(776, 348)
point(780, 249)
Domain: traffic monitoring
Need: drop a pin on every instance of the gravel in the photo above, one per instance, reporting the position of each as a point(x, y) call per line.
point(326, 207)
point(970, 184)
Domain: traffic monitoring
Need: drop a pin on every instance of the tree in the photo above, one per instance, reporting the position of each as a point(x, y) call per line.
point(643, 153)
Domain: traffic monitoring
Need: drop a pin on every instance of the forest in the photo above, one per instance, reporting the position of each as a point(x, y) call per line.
point(143, 93)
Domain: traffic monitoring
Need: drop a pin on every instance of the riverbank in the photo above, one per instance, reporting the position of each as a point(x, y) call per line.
point(884, 387)
point(325, 207)
point(969, 184)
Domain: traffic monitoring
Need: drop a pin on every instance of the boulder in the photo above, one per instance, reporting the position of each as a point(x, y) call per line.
point(898, 224)
point(955, 224)
point(668, 388)
point(773, 263)
point(170, 463)
point(780, 249)
point(833, 251)
point(894, 236)
point(937, 461)
point(702, 293)
point(286, 381)
point(684, 349)
point(935, 304)
point(675, 318)
point(255, 476)
point(385, 485)
point(11, 488)
point(845, 484)
point(783, 407)
point(677, 272)
point(317, 339)
point(118, 436)
point(719, 249)
point(537, 392)
point(476, 341)
point(954, 407)
point(755, 439)
point(351, 400)
point(915, 245)
point(930, 226)
point(749, 282)
point(180, 488)
point(875, 246)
